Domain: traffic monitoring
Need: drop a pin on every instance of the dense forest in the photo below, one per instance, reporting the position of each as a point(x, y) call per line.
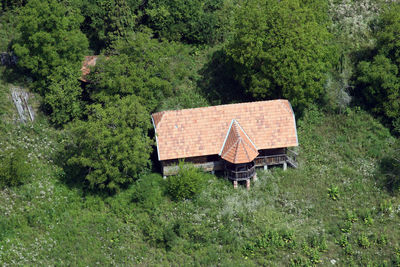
point(81, 185)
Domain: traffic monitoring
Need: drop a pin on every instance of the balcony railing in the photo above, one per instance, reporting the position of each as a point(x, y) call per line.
point(290, 157)
point(240, 175)
point(270, 160)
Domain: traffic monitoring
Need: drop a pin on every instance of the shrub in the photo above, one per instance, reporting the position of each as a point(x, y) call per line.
point(148, 191)
point(363, 241)
point(386, 207)
point(187, 183)
point(389, 169)
point(278, 239)
point(14, 170)
point(112, 147)
point(366, 217)
point(333, 192)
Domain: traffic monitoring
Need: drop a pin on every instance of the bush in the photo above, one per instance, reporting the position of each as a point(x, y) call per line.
point(14, 170)
point(112, 147)
point(389, 169)
point(333, 192)
point(187, 183)
point(148, 191)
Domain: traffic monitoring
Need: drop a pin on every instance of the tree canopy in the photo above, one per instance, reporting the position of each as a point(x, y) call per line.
point(377, 76)
point(142, 66)
point(50, 37)
point(282, 50)
point(112, 147)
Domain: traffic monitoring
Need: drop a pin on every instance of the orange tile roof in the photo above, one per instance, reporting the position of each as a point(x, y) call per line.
point(238, 148)
point(202, 131)
point(89, 61)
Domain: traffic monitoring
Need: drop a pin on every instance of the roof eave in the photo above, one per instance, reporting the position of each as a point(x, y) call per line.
point(294, 121)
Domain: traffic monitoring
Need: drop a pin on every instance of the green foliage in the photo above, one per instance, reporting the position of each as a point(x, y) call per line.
point(389, 170)
point(8, 30)
point(351, 216)
point(14, 169)
point(380, 85)
point(50, 37)
point(278, 239)
point(144, 67)
point(51, 48)
point(333, 192)
point(282, 50)
point(386, 207)
point(363, 241)
point(312, 253)
point(194, 21)
point(378, 77)
point(187, 184)
point(7, 5)
point(46, 218)
point(112, 147)
point(149, 191)
point(366, 217)
point(318, 242)
point(63, 96)
point(106, 21)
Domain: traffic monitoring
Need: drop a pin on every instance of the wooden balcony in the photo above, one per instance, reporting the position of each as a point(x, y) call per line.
point(240, 175)
point(289, 158)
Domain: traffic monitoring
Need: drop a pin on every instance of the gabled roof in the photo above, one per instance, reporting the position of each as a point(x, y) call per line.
point(202, 131)
point(238, 148)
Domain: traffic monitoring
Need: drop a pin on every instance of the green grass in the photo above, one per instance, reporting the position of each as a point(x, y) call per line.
point(288, 217)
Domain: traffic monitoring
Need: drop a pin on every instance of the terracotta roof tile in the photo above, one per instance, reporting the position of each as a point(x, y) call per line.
point(238, 148)
point(181, 133)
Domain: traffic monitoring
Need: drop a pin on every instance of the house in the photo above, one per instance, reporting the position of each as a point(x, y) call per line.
point(233, 138)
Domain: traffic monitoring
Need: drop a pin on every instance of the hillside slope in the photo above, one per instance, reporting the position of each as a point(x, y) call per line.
point(333, 209)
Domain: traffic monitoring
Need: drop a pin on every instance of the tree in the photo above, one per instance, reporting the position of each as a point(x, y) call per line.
point(6, 5)
point(141, 66)
point(63, 95)
point(50, 37)
point(112, 147)
point(380, 85)
point(377, 78)
point(281, 50)
point(194, 21)
point(106, 20)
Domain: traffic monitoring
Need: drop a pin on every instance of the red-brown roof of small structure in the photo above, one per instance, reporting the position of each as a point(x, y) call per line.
point(89, 61)
point(202, 131)
point(238, 148)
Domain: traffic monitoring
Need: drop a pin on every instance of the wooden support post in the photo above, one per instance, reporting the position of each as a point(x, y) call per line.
point(212, 172)
point(235, 184)
point(255, 177)
point(284, 166)
point(164, 177)
point(248, 184)
point(265, 167)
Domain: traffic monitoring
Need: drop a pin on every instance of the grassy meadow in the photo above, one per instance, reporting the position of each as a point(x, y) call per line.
point(333, 209)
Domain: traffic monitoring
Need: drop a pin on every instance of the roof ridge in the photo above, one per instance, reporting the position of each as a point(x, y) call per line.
point(157, 117)
point(232, 146)
point(224, 105)
point(204, 131)
point(245, 150)
point(236, 150)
